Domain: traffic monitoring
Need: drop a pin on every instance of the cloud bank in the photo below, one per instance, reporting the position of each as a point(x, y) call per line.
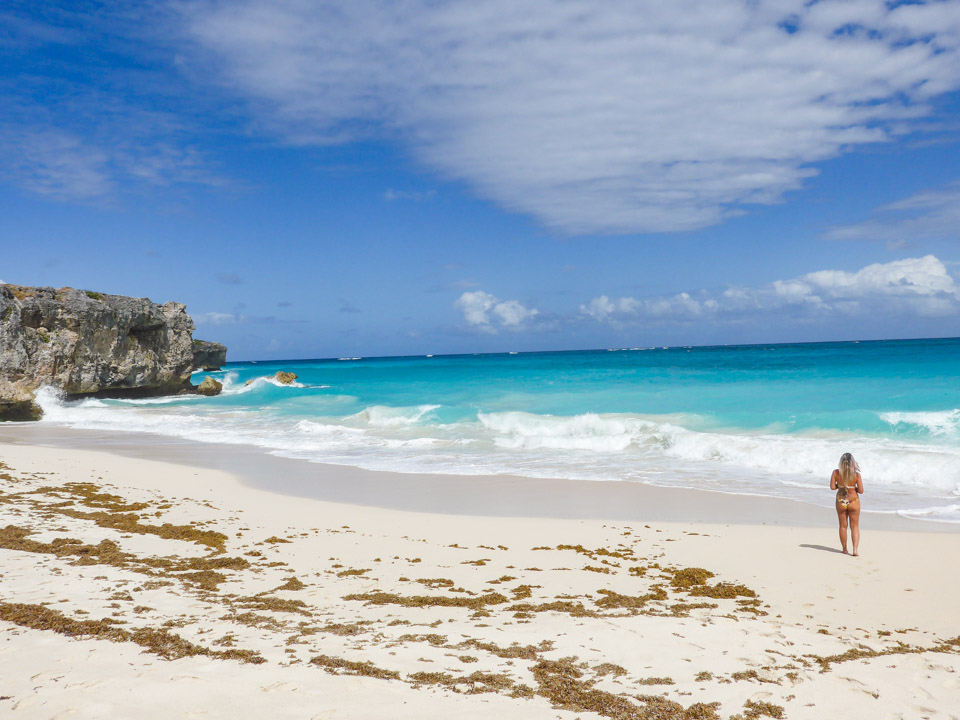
point(616, 117)
point(914, 286)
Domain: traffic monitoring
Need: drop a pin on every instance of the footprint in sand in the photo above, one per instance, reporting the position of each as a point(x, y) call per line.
point(862, 687)
point(281, 687)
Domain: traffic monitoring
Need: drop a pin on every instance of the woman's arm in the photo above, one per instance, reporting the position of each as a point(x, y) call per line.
point(859, 484)
point(833, 480)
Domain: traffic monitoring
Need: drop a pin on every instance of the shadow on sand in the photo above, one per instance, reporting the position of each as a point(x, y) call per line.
point(821, 547)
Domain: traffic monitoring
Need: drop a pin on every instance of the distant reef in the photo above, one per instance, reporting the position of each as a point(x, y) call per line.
point(87, 343)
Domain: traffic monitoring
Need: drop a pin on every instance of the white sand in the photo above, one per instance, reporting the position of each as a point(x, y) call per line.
point(903, 589)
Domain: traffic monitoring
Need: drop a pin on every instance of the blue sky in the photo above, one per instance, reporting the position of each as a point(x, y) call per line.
point(357, 178)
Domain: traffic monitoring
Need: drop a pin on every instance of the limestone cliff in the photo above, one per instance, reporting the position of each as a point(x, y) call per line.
point(85, 343)
point(208, 355)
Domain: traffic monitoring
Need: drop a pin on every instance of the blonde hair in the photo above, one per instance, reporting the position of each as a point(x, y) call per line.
point(848, 472)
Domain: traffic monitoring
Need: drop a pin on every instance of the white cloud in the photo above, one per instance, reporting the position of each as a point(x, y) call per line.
point(93, 164)
point(412, 195)
point(55, 163)
point(914, 286)
point(485, 311)
point(593, 117)
point(925, 215)
point(217, 318)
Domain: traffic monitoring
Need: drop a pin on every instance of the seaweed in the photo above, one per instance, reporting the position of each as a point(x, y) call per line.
point(432, 638)
point(514, 651)
point(559, 681)
point(352, 572)
point(564, 606)
point(383, 598)
point(158, 641)
point(337, 666)
point(612, 600)
point(722, 591)
point(755, 709)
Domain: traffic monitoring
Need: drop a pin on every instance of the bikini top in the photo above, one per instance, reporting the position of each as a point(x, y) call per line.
point(846, 488)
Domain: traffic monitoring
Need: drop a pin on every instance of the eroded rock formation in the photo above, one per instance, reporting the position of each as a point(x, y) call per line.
point(208, 355)
point(88, 343)
point(209, 387)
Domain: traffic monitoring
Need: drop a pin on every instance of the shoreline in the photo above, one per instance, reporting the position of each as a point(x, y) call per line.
point(139, 587)
point(474, 495)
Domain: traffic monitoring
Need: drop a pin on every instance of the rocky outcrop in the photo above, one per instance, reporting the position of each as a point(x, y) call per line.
point(16, 403)
point(208, 355)
point(285, 377)
point(209, 387)
point(88, 343)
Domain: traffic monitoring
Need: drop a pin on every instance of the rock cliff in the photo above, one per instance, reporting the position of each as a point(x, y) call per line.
point(88, 343)
point(208, 355)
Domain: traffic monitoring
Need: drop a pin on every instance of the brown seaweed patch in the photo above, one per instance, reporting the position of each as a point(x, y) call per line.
point(656, 681)
point(612, 600)
point(336, 666)
point(204, 579)
point(346, 629)
point(199, 571)
point(563, 606)
point(91, 495)
point(433, 638)
point(755, 709)
point(599, 552)
point(353, 572)
point(684, 578)
point(262, 602)
point(514, 651)
point(722, 591)
point(522, 592)
point(608, 668)
point(560, 682)
point(477, 682)
point(383, 598)
point(160, 642)
point(292, 583)
point(863, 653)
point(130, 522)
point(435, 583)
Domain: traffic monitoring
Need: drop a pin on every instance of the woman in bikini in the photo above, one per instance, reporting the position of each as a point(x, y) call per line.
point(847, 482)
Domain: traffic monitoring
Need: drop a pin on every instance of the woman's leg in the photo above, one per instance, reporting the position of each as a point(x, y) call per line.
point(842, 516)
point(855, 527)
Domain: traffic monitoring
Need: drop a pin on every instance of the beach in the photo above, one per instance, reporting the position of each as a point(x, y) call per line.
point(148, 577)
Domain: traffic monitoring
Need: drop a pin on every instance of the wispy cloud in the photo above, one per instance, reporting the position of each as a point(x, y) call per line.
point(348, 307)
point(229, 279)
point(932, 214)
point(411, 195)
point(218, 318)
point(593, 117)
point(85, 130)
point(489, 313)
point(913, 286)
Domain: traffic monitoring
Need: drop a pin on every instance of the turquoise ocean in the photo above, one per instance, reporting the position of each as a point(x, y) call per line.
point(759, 419)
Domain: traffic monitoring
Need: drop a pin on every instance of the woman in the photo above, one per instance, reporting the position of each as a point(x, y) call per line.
point(847, 482)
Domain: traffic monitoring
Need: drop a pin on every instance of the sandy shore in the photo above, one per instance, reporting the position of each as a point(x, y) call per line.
point(178, 586)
